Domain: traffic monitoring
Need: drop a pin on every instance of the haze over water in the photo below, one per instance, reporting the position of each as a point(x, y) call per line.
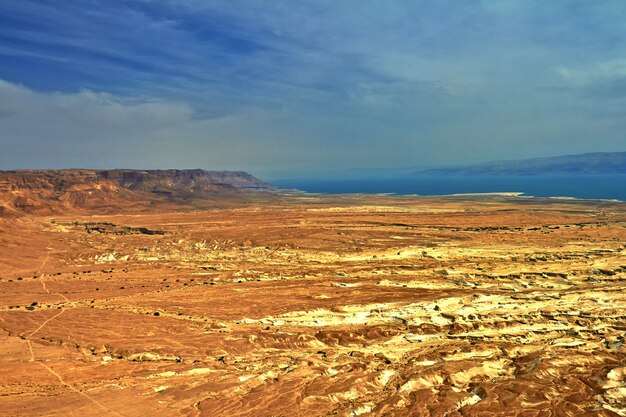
point(611, 186)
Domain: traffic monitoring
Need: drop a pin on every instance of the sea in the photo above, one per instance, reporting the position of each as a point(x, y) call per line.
point(605, 187)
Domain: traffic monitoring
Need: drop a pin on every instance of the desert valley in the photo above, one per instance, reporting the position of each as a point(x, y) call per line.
point(187, 293)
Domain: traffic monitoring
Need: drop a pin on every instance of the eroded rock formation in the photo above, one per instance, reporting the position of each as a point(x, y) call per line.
point(54, 191)
point(318, 306)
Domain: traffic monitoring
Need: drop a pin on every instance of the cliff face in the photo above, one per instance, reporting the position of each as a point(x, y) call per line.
point(54, 191)
point(186, 180)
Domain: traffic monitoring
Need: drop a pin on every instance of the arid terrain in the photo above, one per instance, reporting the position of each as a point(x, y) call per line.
point(305, 305)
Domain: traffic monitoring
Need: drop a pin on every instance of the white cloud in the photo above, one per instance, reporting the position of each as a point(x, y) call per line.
point(64, 129)
point(59, 115)
point(95, 129)
point(604, 80)
point(598, 72)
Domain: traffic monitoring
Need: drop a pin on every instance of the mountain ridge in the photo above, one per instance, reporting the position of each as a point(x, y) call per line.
point(586, 163)
point(54, 191)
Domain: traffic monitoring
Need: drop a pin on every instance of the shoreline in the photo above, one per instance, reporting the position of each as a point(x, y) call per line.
point(510, 194)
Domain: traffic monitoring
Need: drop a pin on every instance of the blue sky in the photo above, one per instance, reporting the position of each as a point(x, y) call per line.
point(287, 88)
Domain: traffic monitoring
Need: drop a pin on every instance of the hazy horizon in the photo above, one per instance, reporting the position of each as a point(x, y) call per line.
point(301, 88)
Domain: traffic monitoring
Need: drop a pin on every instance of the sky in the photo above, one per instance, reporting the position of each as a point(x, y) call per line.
point(289, 88)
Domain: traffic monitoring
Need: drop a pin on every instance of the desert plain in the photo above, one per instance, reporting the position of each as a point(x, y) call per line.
point(310, 305)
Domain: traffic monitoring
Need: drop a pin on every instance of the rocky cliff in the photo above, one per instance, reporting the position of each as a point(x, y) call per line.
point(183, 180)
point(32, 191)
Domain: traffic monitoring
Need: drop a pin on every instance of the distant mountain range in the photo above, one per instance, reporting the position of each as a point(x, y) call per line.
point(587, 163)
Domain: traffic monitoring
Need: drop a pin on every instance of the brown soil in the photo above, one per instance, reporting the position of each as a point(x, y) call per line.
point(317, 306)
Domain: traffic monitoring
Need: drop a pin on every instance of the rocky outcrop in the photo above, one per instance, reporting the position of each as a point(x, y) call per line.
point(53, 191)
point(318, 307)
point(183, 180)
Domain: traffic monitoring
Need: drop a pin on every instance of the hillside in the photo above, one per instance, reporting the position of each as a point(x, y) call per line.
point(588, 163)
point(54, 191)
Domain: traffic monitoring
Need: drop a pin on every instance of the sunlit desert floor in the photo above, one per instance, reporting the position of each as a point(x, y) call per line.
point(318, 306)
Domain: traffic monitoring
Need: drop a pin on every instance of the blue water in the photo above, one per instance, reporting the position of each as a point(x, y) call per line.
point(608, 186)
